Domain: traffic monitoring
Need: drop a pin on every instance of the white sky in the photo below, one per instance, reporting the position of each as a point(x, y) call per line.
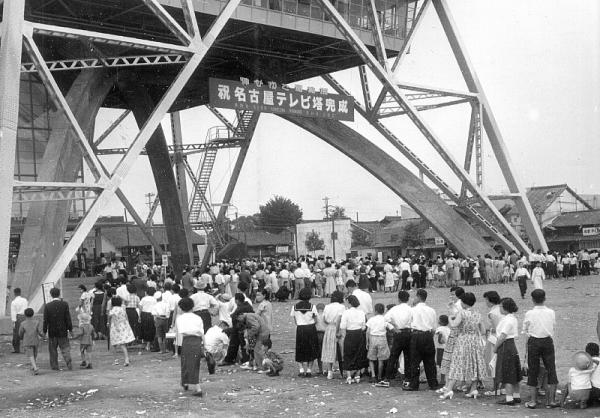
point(538, 62)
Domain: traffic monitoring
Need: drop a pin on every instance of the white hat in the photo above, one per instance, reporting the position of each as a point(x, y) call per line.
point(157, 295)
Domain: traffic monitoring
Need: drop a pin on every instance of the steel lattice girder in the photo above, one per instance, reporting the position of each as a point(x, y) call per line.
point(198, 49)
point(386, 79)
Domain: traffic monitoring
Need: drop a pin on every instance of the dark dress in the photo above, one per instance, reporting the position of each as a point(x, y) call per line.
point(98, 317)
point(192, 349)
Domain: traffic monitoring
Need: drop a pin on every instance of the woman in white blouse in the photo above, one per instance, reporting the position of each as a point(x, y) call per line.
point(508, 364)
point(307, 341)
point(352, 327)
point(190, 330)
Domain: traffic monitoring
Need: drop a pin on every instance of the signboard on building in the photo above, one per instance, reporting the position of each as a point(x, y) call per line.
point(592, 230)
point(165, 259)
point(282, 249)
point(282, 99)
point(439, 241)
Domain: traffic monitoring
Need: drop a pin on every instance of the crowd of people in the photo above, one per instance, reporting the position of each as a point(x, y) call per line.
point(224, 315)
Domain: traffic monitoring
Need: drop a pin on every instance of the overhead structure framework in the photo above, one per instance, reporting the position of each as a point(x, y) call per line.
point(173, 46)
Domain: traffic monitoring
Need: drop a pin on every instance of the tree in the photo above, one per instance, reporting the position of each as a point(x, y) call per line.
point(246, 223)
point(413, 234)
point(337, 212)
point(314, 242)
point(361, 238)
point(279, 213)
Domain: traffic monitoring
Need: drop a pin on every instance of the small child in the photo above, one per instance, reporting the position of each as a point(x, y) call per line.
point(272, 360)
point(216, 343)
point(440, 338)
point(85, 336)
point(30, 331)
point(320, 324)
point(378, 350)
point(580, 384)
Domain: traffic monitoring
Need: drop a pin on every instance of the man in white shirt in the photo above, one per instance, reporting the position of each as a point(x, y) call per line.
point(161, 312)
point(202, 303)
point(400, 318)
point(538, 326)
point(216, 343)
point(366, 302)
point(422, 347)
point(405, 273)
point(17, 315)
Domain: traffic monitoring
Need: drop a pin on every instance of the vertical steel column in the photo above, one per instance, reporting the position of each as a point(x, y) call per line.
point(181, 179)
point(491, 127)
point(10, 77)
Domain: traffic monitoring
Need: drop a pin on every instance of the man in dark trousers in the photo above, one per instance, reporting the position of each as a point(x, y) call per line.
point(57, 323)
point(236, 335)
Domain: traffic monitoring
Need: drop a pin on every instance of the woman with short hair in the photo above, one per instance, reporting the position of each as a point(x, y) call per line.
point(352, 325)
point(190, 330)
point(307, 342)
point(332, 315)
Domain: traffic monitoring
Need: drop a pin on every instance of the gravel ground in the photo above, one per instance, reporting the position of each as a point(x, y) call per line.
point(149, 387)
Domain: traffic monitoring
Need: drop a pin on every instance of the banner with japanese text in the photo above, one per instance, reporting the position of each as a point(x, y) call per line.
point(273, 98)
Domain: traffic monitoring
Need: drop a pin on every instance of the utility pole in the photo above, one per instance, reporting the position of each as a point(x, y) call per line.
point(356, 216)
point(333, 236)
point(326, 207)
point(149, 202)
point(128, 243)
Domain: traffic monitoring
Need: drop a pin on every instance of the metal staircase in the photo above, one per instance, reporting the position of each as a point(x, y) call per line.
point(201, 214)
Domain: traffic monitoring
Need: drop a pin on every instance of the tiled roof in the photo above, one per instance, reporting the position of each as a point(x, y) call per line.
point(586, 217)
point(262, 238)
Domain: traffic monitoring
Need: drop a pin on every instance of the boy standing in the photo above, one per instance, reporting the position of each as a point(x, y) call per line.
point(377, 344)
point(538, 326)
point(30, 331)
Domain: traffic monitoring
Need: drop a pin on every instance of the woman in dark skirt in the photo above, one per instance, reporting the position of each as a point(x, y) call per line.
point(191, 332)
point(98, 315)
point(352, 327)
point(508, 364)
point(132, 302)
point(307, 342)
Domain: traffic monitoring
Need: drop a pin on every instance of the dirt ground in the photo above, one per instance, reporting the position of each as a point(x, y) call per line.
point(149, 387)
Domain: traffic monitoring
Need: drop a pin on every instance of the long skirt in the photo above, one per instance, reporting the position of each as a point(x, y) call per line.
point(134, 321)
point(148, 330)
point(206, 318)
point(307, 343)
point(508, 363)
point(447, 357)
point(355, 350)
point(328, 350)
point(191, 353)
point(98, 319)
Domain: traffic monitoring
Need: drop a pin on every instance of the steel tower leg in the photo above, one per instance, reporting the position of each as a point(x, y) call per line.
point(181, 180)
point(491, 127)
point(10, 76)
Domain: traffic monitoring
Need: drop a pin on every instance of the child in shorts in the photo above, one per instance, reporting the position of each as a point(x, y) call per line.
point(378, 350)
point(320, 325)
point(30, 331)
point(272, 360)
point(440, 338)
point(85, 336)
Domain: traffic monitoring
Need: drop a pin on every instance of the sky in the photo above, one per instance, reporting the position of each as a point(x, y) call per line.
point(538, 62)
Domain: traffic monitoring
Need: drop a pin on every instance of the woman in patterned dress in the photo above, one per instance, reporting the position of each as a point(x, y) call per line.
point(455, 306)
point(331, 349)
point(120, 331)
point(467, 362)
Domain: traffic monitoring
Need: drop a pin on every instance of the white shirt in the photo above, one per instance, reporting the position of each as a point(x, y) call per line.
point(224, 312)
point(404, 266)
point(147, 303)
point(377, 325)
point(306, 318)
point(203, 301)
point(424, 317)
point(215, 339)
point(580, 379)
point(366, 303)
point(539, 322)
point(508, 326)
point(17, 307)
point(173, 301)
point(161, 308)
point(122, 292)
point(189, 323)
point(332, 312)
point(399, 317)
point(353, 319)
